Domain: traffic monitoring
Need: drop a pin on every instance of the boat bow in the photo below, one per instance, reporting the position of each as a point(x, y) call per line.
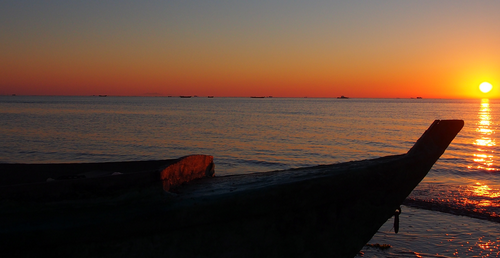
point(327, 210)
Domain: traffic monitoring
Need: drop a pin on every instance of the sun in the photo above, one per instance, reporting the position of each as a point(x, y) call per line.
point(485, 87)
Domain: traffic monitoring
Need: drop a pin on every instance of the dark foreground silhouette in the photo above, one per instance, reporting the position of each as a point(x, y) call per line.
point(177, 208)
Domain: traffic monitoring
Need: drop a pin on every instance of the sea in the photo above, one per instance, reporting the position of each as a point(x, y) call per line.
point(453, 212)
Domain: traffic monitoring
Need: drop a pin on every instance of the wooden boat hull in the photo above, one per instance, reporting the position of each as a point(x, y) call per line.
point(328, 210)
point(57, 182)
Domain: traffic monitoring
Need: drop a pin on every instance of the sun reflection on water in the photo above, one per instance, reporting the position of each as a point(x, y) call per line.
point(482, 190)
point(484, 156)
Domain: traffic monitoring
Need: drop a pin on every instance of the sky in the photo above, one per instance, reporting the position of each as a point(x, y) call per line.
point(362, 49)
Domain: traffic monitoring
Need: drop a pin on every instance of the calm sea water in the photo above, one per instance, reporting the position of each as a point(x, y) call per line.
point(252, 135)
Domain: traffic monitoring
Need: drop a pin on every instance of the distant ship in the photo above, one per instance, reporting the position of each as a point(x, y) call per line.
point(342, 97)
point(210, 97)
point(185, 97)
point(256, 97)
point(103, 95)
point(419, 97)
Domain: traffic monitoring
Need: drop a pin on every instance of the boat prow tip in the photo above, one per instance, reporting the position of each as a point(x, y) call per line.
point(437, 137)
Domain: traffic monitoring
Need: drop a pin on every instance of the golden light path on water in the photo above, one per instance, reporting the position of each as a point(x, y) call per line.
point(484, 157)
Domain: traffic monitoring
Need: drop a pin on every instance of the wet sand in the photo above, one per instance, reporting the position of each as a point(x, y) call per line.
point(425, 233)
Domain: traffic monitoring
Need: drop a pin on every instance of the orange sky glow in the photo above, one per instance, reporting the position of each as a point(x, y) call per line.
point(391, 49)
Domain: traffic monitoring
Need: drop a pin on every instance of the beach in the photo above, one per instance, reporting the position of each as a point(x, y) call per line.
point(425, 233)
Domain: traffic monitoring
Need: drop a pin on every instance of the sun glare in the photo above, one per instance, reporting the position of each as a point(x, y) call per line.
point(485, 87)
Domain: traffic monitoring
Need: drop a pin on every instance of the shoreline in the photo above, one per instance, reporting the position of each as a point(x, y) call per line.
point(427, 233)
point(436, 206)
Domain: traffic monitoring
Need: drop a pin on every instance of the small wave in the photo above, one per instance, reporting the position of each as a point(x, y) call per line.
point(451, 209)
point(262, 163)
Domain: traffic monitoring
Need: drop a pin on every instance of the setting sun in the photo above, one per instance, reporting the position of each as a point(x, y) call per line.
point(485, 87)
